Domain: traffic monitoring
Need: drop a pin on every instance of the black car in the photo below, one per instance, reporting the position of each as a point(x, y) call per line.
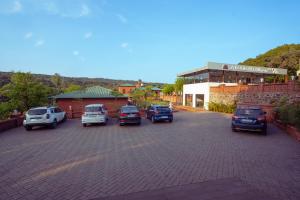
point(129, 114)
point(159, 113)
point(250, 119)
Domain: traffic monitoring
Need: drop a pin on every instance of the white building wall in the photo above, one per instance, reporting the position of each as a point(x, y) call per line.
point(200, 88)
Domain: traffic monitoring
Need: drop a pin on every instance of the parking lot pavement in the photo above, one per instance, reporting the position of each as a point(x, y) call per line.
point(73, 162)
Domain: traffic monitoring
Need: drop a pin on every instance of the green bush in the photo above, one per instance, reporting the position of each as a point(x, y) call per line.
point(220, 107)
point(289, 114)
point(5, 110)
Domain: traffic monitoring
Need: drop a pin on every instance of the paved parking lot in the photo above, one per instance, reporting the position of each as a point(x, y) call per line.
point(72, 162)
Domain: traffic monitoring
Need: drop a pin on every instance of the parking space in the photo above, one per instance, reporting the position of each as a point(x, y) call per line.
point(73, 162)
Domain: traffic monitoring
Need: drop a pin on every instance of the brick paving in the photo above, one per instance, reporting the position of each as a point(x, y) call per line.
point(72, 162)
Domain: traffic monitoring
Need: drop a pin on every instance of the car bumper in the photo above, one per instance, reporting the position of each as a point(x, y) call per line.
point(93, 120)
point(248, 127)
point(130, 120)
point(37, 123)
point(163, 117)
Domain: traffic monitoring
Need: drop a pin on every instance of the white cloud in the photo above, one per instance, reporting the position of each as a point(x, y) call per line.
point(85, 10)
point(28, 35)
point(75, 53)
point(88, 35)
point(124, 45)
point(122, 18)
point(39, 43)
point(17, 7)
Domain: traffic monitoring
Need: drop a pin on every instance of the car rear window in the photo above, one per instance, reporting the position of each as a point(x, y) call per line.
point(129, 109)
point(37, 111)
point(252, 112)
point(93, 109)
point(163, 109)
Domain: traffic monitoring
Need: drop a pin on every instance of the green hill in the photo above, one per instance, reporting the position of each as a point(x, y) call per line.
point(286, 56)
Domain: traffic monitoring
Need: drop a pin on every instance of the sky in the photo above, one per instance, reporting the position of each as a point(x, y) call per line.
point(152, 40)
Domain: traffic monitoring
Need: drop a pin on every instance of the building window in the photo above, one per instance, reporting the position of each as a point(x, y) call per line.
point(188, 100)
point(124, 91)
point(199, 100)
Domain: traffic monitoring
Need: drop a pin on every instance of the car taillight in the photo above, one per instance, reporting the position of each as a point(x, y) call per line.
point(48, 116)
point(123, 114)
point(235, 117)
point(261, 119)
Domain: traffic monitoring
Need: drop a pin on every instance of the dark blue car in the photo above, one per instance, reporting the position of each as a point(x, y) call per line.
point(250, 119)
point(159, 113)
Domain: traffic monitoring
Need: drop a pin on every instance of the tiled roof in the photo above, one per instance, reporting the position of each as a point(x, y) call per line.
point(127, 85)
point(91, 92)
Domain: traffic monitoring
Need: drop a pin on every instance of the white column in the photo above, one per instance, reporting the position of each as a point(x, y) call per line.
point(194, 100)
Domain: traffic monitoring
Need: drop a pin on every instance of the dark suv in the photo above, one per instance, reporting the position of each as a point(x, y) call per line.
point(249, 118)
point(159, 113)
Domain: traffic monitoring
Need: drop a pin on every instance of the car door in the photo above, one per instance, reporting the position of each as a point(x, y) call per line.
point(59, 114)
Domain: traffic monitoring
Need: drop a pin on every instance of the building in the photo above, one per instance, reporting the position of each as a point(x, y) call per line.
point(74, 102)
point(197, 90)
point(126, 88)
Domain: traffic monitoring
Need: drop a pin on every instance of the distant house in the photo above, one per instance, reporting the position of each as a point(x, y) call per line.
point(126, 88)
point(74, 102)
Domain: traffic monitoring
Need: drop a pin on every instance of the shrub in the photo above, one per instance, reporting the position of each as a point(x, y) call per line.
point(5, 110)
point(220, 107)
point(289, 114)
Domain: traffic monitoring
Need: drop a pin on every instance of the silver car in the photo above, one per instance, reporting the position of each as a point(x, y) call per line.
point(94, 114)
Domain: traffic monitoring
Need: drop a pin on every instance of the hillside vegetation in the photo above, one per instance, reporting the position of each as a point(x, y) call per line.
point(286, 56)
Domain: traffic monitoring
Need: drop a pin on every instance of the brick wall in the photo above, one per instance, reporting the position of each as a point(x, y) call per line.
point(172, 98)
point(77, 105)
point(263, 94)
point(11, 123)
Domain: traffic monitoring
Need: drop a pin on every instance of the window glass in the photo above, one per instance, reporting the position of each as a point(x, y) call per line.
point(93, 109)
point(37, 111)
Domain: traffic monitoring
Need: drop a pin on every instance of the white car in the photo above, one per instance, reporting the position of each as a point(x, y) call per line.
point(94, 114)
point(43, 116)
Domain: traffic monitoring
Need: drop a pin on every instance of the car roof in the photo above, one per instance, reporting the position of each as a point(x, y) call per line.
point(36, 108)
point(94, 105)
point(159, 106)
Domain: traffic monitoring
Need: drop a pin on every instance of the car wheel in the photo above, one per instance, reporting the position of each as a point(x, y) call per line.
point(65, 118)
point(54, 124)
point(233, 129)
point(28, 128)
point(121, 124)
point(152, 119)
point(139, 123)
point(264, 131)
point(170, 120)
point(84, 125)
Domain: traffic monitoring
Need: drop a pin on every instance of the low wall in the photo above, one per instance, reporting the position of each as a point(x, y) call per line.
point(172, 98)
point(255, 94)
point(11, 123)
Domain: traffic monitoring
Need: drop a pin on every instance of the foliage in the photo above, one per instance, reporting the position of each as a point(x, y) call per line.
point(178, 85)
point(168, 89)
point(24, 91)
point(58, 82)
point(285, 56)
point(146, 104)
point(220, 107)
point(5, 109)
point(72, 88)
point(288, 113)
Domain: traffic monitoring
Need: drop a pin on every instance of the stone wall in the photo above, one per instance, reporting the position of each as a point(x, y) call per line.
point(263, 94)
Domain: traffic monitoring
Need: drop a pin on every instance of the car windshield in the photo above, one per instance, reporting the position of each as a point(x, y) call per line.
point(93, 109)
point(163, 109)
point(129, 109)
point(252, 112)
point(37, 111)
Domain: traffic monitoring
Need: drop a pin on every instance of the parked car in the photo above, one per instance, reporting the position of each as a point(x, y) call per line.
point(159, 113)
point(43, 116)
point(129, 114)
point(94, 114)
point(250, 118)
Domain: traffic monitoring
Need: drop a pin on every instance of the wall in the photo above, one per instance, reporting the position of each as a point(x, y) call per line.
point(172, 98)
point(263, 94)
point(11, 123)
point(75, 107)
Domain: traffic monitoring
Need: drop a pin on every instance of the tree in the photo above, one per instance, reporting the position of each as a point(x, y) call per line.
point(58, 82)
point(178, 86)
point(72, 88)
point(24, 92)
point(168, 89)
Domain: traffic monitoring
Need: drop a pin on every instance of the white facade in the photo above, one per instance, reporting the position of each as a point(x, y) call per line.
point(200, 88)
